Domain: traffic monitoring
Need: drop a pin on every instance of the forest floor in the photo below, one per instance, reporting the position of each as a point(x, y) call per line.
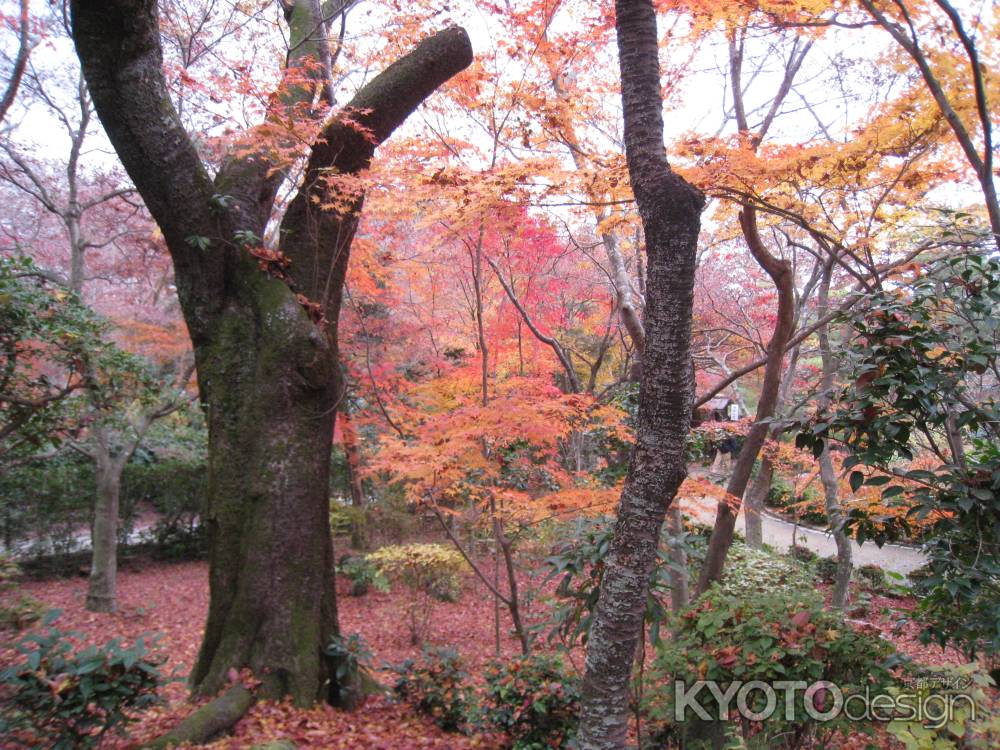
point(172, 600)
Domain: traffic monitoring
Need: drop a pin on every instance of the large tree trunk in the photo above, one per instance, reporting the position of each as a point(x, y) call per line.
point(102, 588)
point(670, 209)
point(272, 605)
point(265, 339)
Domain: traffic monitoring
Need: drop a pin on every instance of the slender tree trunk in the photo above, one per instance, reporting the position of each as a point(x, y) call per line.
point(835, 515)
point(102, 588)
point(352, 456)
point(670, 209)
point(680, 595)
point(828, 476)
point(756, 497)
point(725, 520)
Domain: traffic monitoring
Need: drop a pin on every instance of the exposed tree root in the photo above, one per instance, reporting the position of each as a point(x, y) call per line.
point(214, 717)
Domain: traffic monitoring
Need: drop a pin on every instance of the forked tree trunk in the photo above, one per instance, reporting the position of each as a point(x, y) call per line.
point(265, 339)
point(670, 209)
point(725, 520)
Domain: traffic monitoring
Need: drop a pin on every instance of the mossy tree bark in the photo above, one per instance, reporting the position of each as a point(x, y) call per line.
point(670, 210)
point(265, 344)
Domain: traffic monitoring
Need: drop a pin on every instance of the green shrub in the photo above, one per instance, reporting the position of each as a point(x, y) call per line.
point(766, 635)
point(873, 575)
point(429, 568)
point(826, 569)
point(437, 686)
point(66, 701)
point(966, 729)
point(347, 659)
point(16, 610)
point(430, 571)
point(363, 575)
point(534, 700)
point(802, 554)
point(749, 569)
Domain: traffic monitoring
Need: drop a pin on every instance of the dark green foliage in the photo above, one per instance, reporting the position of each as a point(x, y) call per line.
point(362, 575)
point(826, 569)
point(176, 488)
point(48, 503)
point(579, 564)
point(767, 635)
point(347, 658)
point(437, 685)
point(534, 700)
point(873, 574)
point(63, 700)
point(52, 347)
point(923, 362)
point(16, 610)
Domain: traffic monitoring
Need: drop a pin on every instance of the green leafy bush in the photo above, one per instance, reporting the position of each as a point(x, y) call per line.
point(767, 635)
point(430, 571)
point(966, 728)
point(918, 362)
point(534, 700)
point(437, 686)
point(429, 568)
point(579, 565)
point(363, 575)
point(177, 489)
point(749, 569)
point(65, 700)
point(873, 575)
point(826, 569)
point(347, 658)
point(16, 610)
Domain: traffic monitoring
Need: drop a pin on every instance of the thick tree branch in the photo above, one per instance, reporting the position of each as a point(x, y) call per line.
point(20, 62)
point(118, 42)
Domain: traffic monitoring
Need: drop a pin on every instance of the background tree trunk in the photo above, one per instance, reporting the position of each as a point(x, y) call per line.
point(755, 502)
point(828, 476)
point(670, 209)
point(725, 519)
point(102, 586)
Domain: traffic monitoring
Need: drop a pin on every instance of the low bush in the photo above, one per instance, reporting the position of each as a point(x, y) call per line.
point(750, 569)
point(429, 568)
point(66, 701)
point(430, 571)
point(347, 659)
point(437, 685)
point(363, 575)
point(767, 635)
point(973, 722)
point(873, 575)
point(17, 610)
point(534, 700)
point(826, 569)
